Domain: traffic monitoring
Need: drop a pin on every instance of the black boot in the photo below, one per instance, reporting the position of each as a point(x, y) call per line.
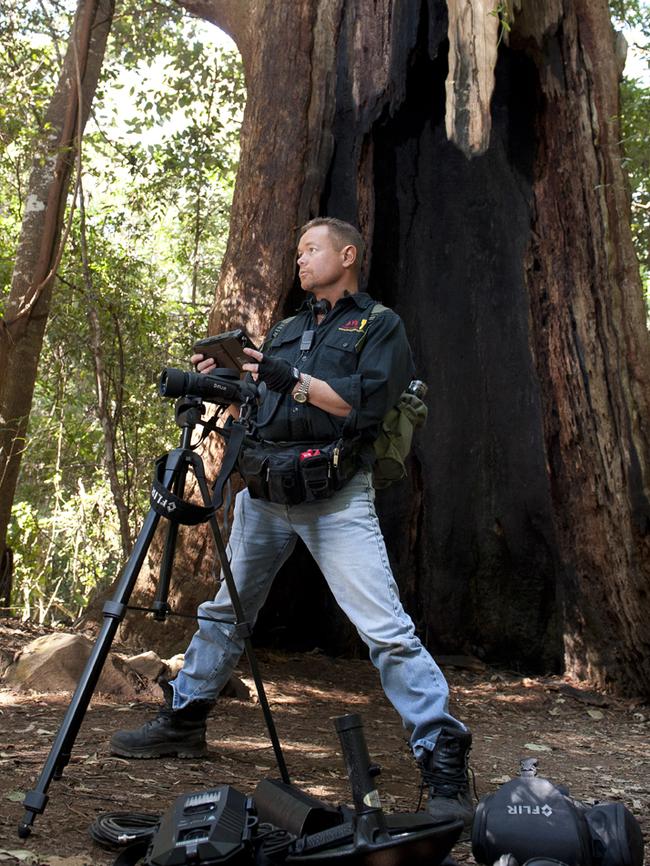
point(171, 732)
point(444, 772)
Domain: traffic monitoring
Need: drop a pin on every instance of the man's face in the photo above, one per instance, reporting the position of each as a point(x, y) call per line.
point(320, 265)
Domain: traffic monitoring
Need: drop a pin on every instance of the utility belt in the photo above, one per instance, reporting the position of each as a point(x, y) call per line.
point(290, 473)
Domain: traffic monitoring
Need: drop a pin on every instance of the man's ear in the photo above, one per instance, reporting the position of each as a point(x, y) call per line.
point(349, 254)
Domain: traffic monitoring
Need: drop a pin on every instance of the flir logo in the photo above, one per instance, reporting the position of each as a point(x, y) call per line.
point(162, 502)
point(530, 810)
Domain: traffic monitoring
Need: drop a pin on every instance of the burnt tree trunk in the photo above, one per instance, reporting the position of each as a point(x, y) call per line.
point(522, 532)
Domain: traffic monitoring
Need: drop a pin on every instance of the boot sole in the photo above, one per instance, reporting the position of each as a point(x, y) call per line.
point(160, 753)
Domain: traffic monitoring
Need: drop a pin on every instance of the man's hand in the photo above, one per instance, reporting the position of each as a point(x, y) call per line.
point(320, 393)
point(203, 364)
point(276, 373)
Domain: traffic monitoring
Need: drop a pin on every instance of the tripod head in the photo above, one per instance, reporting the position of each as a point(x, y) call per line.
point(190, 407)
point(188, 411)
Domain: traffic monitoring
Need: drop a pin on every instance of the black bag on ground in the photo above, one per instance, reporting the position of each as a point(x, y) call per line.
point(530, 818)
point(616, 835)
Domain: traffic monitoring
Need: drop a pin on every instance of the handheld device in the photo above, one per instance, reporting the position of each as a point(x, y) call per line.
point(226, 349)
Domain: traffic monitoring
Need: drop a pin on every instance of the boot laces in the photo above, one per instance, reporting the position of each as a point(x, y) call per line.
point(453, 780)
point(456, 787)
point(164, 715)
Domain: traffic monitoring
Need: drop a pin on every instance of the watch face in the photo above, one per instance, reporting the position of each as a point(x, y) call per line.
point(300, 397)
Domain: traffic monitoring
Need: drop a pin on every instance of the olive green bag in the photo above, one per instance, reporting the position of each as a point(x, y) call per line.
point(393, 444)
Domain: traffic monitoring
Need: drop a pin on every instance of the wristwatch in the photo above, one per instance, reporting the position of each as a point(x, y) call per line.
point(302, 394)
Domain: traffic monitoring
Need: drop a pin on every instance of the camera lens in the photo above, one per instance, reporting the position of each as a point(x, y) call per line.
point(224, 388)
point(172, 383)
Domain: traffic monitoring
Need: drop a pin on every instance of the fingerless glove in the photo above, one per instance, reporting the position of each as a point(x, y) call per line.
point(278, 374)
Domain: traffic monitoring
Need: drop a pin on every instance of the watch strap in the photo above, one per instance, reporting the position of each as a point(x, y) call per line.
point(303, 388)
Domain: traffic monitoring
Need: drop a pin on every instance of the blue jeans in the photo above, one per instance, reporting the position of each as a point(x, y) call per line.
point(343, 535)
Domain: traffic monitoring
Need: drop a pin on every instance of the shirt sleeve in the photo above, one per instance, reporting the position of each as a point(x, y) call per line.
point(384, 370)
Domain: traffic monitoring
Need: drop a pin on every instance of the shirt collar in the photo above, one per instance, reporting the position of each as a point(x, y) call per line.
point(361, 299)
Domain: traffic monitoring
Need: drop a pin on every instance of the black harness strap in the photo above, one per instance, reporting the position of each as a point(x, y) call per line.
point(235, 434)
point(169, 505)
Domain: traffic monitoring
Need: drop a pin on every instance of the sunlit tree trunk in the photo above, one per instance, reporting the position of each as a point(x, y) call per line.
point(487, 182)
point(38, 256)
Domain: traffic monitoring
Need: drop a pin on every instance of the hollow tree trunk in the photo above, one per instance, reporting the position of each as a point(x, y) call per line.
point(508, 254)
point(27, 309)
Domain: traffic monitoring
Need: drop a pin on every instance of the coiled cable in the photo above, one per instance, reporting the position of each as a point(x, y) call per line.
point(116, 829)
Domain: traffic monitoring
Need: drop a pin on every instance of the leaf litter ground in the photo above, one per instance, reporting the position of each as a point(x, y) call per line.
point(597, 746)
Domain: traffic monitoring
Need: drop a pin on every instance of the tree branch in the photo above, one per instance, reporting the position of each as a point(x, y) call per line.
point(234, 17)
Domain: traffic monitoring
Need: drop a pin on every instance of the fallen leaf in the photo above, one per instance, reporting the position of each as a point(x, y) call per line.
point(55, 860)
point(537, 747)
point(596, 714)
point(20, 854)
point(16, 796)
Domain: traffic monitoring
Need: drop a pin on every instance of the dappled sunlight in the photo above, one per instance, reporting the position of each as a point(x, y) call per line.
point(596, 751)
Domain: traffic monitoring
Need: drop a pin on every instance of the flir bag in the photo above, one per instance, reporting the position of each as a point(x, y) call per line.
point(531, 818)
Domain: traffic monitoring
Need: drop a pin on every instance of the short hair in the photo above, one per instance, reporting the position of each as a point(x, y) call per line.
point(342, 233)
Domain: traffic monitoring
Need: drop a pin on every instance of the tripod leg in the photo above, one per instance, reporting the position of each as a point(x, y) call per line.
point(113, 612)
point(244, 631)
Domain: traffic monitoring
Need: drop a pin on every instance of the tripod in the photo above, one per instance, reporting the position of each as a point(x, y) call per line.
point(189, 411)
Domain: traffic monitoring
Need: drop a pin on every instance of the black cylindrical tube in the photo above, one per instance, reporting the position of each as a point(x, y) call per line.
point(224, 388)
point(357, 762)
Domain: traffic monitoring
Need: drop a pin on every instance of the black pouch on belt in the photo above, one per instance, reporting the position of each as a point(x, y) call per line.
point(290, 473)
point(315, 467)
point(283, 478)
point(252, 463)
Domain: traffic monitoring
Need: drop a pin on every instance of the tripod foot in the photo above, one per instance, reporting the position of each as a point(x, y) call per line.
point(25, 826)
point(34, 804)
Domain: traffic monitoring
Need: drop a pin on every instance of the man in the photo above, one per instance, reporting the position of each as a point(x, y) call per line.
point(332, 372)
